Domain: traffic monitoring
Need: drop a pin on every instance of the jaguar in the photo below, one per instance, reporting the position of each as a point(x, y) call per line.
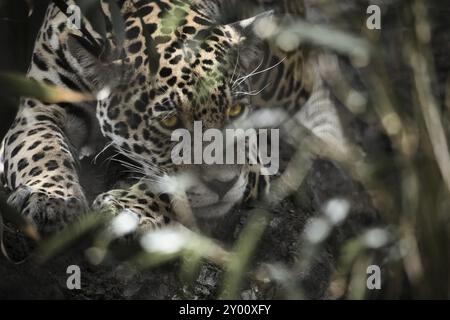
point(169, 64)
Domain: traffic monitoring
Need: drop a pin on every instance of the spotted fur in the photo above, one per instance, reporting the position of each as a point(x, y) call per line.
point(174, 58)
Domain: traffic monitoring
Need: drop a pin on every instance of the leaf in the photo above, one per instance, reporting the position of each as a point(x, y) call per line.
point(243, 252)
point(55, 244)
point(30, 6)
point(342, 42)
point(168, 244)
point(150, 49)
point(190, 265)
point(118, 24)
point(26, 87)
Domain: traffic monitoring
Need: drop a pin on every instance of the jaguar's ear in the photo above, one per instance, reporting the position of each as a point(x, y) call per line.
point(253, 31)
point(96, 69)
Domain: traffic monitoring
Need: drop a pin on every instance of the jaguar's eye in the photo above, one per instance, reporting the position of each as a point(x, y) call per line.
point(170, 122)
point(235, 110)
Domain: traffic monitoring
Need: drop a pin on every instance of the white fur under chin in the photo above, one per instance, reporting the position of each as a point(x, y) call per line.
point(207, 204)
point(204, 202)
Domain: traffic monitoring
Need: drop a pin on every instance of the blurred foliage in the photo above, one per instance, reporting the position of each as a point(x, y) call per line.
point(394, 80)
point(24, 87)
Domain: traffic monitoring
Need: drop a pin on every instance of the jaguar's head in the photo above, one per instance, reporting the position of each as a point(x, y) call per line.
point(176, 73)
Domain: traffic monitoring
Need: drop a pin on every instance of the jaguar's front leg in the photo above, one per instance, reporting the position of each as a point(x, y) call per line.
point(153, 209)
point(39, 167)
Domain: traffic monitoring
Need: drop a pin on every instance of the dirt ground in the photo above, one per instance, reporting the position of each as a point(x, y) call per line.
point(280, 244)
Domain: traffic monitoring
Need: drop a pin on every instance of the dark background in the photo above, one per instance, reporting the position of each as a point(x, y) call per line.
point(17, 34)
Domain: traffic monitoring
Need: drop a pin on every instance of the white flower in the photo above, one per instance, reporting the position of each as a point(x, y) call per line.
point(317, 230)
point(165, 241)
point(125, 223)
point(375, 238)
point(103, 93)
point(337, 210)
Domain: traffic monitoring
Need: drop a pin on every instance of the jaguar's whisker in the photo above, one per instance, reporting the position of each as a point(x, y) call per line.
point(239, 81)
point(235, 66)
point(254, 92)
point(108, 145)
